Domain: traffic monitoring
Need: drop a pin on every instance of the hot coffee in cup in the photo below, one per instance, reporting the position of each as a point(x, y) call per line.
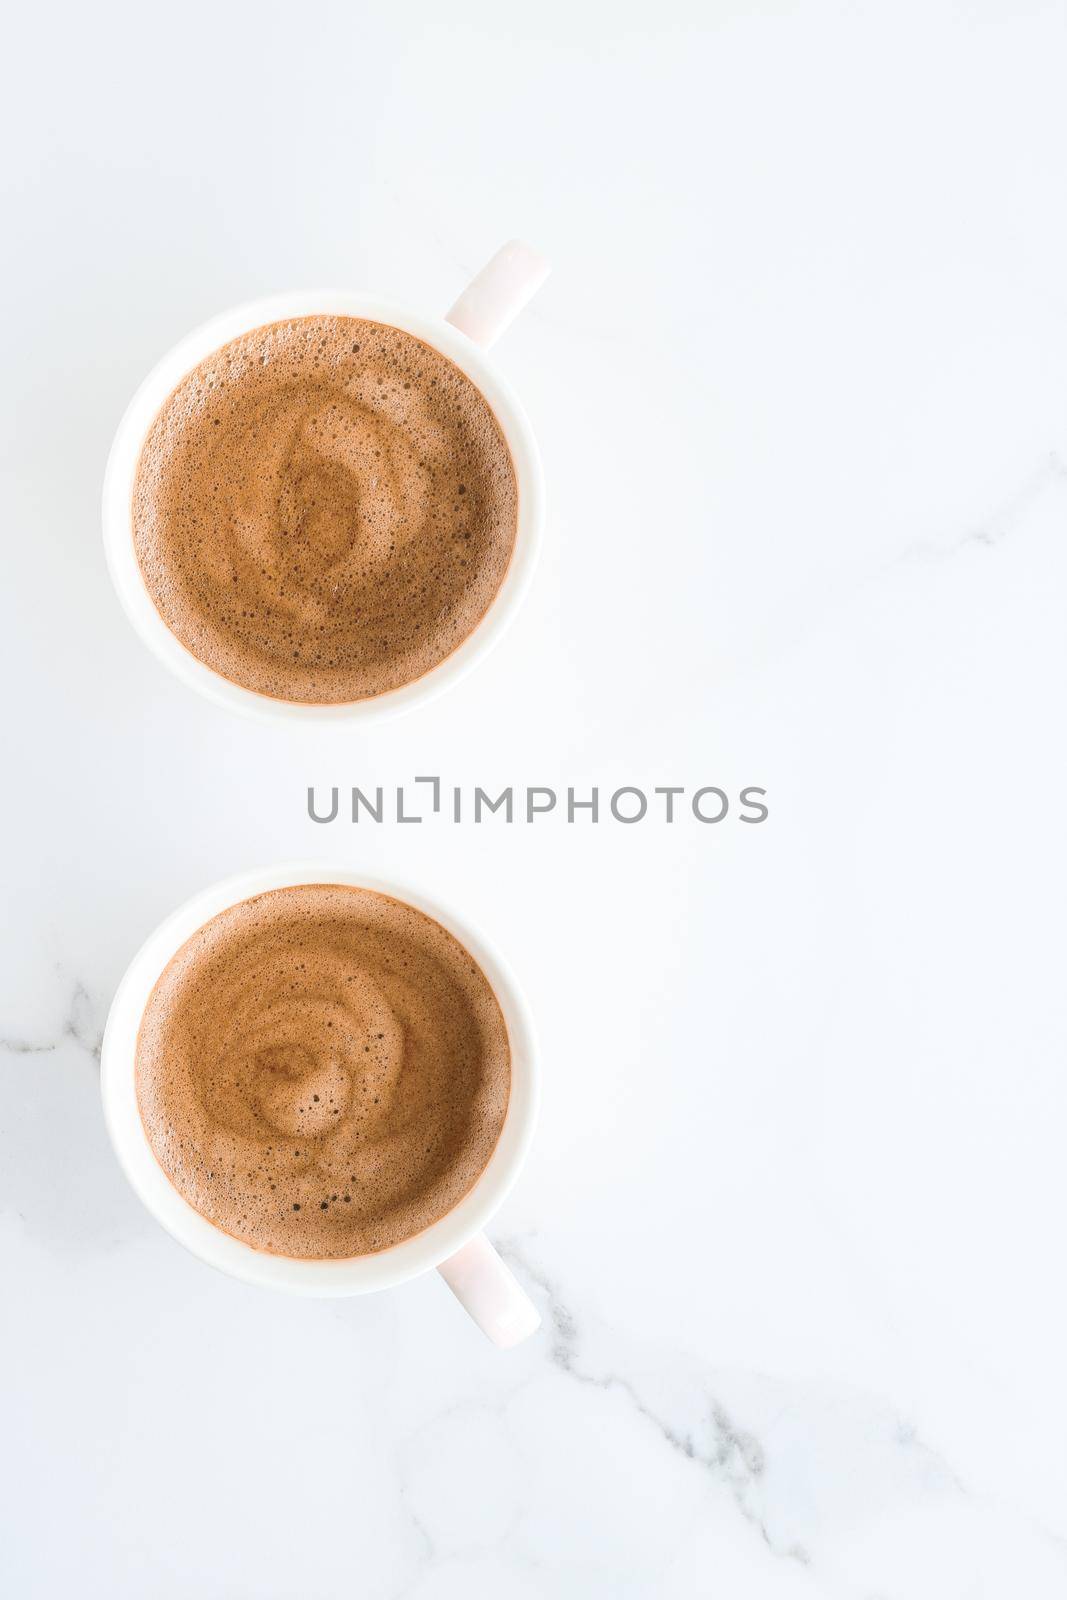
point(325, 507)
point(323, 1071)
point(327, 1086)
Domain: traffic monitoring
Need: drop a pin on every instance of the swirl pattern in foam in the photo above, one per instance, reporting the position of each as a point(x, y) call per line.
point(324, 509)
point(323, 1071)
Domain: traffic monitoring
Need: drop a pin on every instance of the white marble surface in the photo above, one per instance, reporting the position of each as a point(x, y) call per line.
point(795, 1213)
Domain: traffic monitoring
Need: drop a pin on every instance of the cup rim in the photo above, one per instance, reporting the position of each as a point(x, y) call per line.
point(180, 360)
point(323, 1278)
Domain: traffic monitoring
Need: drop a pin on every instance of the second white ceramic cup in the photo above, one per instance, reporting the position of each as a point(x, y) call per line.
point(479, 316)
point(455, 1244)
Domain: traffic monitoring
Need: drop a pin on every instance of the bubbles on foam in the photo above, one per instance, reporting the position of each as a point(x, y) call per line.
point(324, 493)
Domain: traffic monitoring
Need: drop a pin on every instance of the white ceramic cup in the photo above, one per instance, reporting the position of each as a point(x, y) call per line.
point(479, 316)
point(455, 1244)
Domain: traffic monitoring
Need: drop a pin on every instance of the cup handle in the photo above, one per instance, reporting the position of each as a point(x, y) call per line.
point(493, 299)
point(486, 1289)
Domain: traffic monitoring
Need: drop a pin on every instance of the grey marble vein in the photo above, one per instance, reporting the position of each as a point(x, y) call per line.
point(733, 1457)
point(738, 1459)
point(81, 1024)
point(1048, 475)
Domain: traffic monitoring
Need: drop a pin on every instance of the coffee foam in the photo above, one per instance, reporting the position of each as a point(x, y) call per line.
point(324, 509)
point(322, 1071)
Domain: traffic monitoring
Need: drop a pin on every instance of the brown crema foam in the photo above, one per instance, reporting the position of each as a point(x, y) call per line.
point(324, 509)
point(323, 1071)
